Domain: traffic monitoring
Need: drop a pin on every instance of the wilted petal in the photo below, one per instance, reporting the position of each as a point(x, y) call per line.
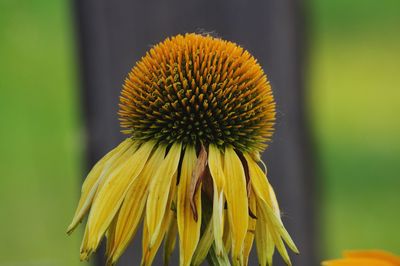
point(158, 193)
point(132, 208)
point(217, 174)
point(170, 239)
point(266, 195)
point(150, 249)
point(204, 245)
point(248, 241)
point(92, 181)
point(196, 179)
point(108, 200)
point(236, 196)
point(188, 227)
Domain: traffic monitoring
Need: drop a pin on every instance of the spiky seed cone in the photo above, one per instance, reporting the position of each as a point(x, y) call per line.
point(198, 89)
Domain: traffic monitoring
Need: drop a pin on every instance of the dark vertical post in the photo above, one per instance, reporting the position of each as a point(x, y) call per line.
point(113, 35)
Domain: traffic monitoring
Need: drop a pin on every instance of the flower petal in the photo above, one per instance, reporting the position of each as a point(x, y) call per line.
point(207, 248)
point(264, 191)
point(188, 227)
point(83, 254)
point(217, 174)
point(216, 165)
point(204, 245)
point(197, 177)
point(109, 198)
point(267, 236)
point(373, 254)
point(214, 259)
point(264, 243)
point(357, 262)
point(159, 191)
point(270, 247)
point(227, 234)
point(236, 196)
point(110, 244)
point(170, 240)
point(248, 241)
point(132, 208)
point(149, 251)
point(92, 181)
point(112, 164)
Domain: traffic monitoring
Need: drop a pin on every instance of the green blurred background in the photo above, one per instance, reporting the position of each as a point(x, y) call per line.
point(354, 102)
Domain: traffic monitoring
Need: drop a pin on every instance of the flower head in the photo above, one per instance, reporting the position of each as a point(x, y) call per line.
point(195, 89)
point(198, 110)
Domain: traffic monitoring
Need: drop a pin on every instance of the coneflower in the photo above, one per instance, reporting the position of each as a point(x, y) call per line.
point(198, 110)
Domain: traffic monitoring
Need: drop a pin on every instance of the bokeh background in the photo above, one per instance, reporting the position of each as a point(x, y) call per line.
point(353, 97)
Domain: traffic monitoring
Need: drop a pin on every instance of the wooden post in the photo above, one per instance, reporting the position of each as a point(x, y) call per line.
point(113, 35)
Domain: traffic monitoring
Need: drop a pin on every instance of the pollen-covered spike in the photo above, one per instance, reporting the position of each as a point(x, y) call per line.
point(198, 89)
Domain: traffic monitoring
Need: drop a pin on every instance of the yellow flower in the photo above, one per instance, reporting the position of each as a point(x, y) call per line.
point(198, 110)
point(365, 258)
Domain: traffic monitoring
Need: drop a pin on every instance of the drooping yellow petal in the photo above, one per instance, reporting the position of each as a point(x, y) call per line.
point(206, 248)
point(198, 172)
point(264, 244)
point(108, 200)
point(267, 225)
point(110, 236)
point(150, 250)
point(92, 181)
point(248, 241)
point(216, 165)
point(274, 201)
point(282, 230)
point(264, 191)
point(188, 228)
point(214, 259)
point(373, 254)
point(258, 179)
point(236, 196)
point(132, 208)
point(83, 254)
point(112, 164)
point(280, 246)
point(204, 245)
point(217, 174)
point(270, 247)
point(357, 262)
point(170, 239)
point(227, 235)
point(159, 190)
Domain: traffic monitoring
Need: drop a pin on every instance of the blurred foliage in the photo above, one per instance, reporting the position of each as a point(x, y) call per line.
point(39, 134)
point(354, 106)
point(353, 95)
point(349, 17)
